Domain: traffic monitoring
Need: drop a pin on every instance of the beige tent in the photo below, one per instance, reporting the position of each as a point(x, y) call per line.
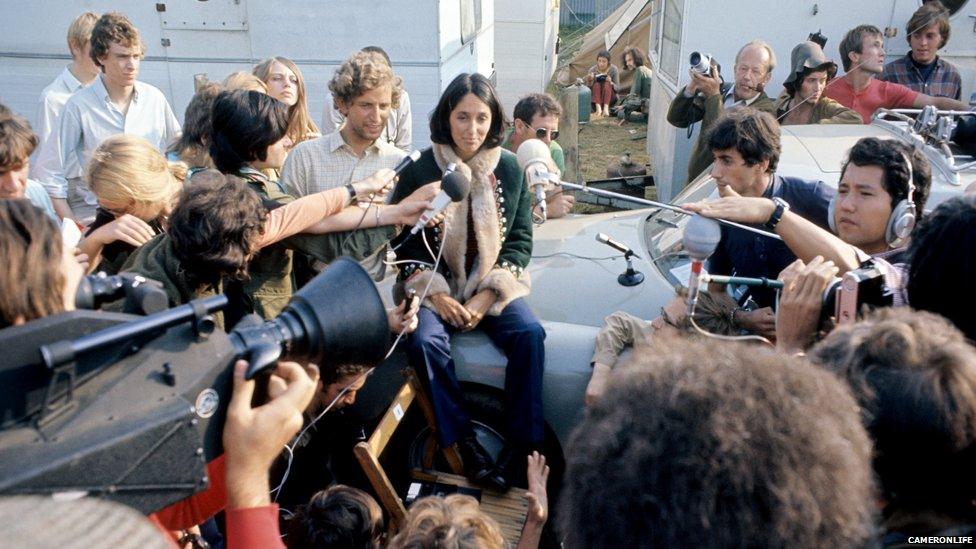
point(629, 25)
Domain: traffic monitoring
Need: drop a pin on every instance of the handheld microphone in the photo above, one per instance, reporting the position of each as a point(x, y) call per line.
point(700, 238)
point(454, 188)
point(533, 158)
point(406, 161)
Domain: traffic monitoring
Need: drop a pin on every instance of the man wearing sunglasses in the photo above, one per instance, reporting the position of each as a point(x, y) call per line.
point(537, 117)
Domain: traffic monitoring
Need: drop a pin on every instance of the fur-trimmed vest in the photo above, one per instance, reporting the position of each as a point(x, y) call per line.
point(501, 211)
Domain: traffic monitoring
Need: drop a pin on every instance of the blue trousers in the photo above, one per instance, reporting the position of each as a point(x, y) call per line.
point(520, 336)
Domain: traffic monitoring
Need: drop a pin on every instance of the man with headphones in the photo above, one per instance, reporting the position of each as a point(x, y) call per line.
point(882, 191)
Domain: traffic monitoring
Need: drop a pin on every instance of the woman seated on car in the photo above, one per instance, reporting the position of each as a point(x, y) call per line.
point(484, 245)
point(713, 314)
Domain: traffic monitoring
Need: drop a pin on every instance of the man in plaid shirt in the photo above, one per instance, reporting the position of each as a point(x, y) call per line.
point(921, 69)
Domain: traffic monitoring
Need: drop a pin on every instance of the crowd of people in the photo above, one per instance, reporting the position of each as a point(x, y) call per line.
point(742, 415)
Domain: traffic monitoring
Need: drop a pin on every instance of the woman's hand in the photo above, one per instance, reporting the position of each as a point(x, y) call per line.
point(401, 321)
point(477, 306)
point(375, 187)
point(425, 193)
point(127, 228)
point(450, 310)
point(598, 383)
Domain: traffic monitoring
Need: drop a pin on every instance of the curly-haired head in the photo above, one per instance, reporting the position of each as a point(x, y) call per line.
point(216, 228)
point(114, 27)
point(364, 71)
point(702, 445)
point(245, 123)
point(17, 141)
point(341, 517)
point(915, 377)
point(452, 522)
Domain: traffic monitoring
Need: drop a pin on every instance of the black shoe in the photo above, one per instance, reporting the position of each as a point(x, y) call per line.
point(478, 465)
point(512, 464)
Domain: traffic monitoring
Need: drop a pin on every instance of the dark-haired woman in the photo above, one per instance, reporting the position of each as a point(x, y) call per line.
point(249, 137)
point(480, 281)
point(603, 80)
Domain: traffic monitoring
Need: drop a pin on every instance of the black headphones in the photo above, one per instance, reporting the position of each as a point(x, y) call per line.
point(901, 222)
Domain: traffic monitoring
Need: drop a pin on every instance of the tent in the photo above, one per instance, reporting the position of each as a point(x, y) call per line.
point(628, 25)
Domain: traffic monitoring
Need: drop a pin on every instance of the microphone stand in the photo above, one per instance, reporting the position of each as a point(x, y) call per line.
point(630, 277)
point(644, 201)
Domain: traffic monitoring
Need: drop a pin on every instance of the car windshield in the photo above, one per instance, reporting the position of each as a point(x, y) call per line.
point(663, 230)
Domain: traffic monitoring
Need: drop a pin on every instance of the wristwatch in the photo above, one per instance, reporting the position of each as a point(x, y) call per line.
point(781, 206)
point(352, 193)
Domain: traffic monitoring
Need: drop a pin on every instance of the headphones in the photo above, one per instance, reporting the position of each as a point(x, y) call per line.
point(903, 215)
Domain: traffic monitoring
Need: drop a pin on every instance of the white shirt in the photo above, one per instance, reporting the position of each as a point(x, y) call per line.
point(328, 162)
point(399, 127)
point(49, 107)
point(89, 118)
point(731, 100)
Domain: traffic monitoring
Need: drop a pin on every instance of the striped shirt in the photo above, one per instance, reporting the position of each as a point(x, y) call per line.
point(328, 162)
point(942, 81)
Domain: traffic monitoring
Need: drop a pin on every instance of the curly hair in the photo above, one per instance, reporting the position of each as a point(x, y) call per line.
point(452, 522)
point(640, 59)
point(340, 516)
point(341, 371)
point(114, 27)
point(362, 72)
point(30, 273)
point(216, 228)
point(727, 446)
point(915, 378)
point(753, 133)
point(17, 141)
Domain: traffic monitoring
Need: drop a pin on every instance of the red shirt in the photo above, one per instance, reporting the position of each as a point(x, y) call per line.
point(877, 95)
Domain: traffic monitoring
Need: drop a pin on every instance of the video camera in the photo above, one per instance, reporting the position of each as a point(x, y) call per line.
point(701, 63)
point(132, 408)
point(846, 296)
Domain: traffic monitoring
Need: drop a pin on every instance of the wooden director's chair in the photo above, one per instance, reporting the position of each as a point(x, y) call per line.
point(509, 508)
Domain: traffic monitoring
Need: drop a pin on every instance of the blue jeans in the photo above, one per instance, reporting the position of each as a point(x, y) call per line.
point(520, 336)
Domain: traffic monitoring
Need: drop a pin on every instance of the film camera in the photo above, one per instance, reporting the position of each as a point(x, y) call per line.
point(701, 63)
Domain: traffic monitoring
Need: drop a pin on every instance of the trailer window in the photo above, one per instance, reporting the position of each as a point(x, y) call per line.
point(470, 19)
point(671, 38)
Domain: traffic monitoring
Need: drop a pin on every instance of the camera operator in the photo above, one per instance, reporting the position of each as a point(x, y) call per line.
point(746, 147)
point(38, 274)
point(706, 98)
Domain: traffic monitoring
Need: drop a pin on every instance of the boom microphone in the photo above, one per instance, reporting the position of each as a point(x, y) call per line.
point(700, 238)
point(454, 188)
point(533, 158)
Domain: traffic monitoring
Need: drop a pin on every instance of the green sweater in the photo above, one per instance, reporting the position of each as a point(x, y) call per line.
point(641, 87)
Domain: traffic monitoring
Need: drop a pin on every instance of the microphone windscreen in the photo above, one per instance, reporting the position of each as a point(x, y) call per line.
point(456, 186)
point(532, 150)
point(701, 237)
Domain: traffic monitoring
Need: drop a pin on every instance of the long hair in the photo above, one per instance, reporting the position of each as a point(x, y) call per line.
point(128, 168)
point(300, 124)
point(31, 278)
point(462, 85)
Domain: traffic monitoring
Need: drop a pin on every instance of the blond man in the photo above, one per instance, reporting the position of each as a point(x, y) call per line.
point(114, 103)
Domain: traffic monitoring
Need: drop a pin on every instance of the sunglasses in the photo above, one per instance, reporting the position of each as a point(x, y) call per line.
point(541, 133)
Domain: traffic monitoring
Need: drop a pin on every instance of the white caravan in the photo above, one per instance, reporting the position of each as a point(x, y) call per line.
point(525, 47)
point(681, 27)
point(429, 42)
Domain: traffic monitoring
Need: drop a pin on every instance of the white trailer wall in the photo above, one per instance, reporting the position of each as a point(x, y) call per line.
point(525, 47)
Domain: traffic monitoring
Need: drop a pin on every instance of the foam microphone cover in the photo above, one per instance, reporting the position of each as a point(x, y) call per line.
point(456, 186)
point(532, 150)
point(701, 237)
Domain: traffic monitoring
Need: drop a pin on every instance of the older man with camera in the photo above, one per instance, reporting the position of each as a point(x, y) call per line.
point(707, 96)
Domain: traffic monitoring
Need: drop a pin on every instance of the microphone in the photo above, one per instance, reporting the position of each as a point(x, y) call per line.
point(533, 158)
point(604, 238)
point(406, 161)
point(454, 188)
point(700, 238)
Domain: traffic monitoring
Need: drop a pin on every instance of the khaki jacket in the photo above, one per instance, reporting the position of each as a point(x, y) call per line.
point(826, 111)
